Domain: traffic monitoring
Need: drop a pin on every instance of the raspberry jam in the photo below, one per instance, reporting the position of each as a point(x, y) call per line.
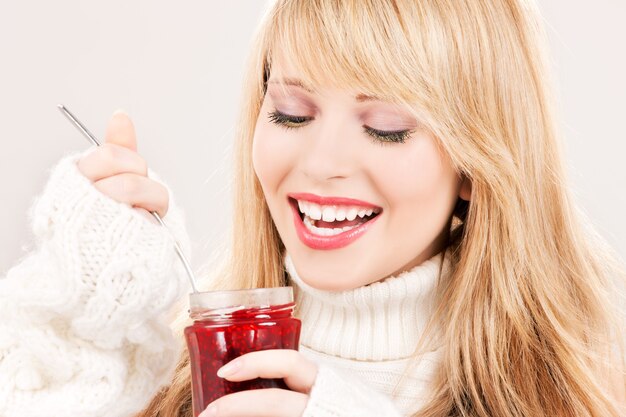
point(228, 324)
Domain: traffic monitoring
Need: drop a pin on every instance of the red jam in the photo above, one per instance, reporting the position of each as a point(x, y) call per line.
point(215, 339)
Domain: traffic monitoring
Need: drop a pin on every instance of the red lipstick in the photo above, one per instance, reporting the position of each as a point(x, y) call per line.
point(331, 201)
point(319, 242)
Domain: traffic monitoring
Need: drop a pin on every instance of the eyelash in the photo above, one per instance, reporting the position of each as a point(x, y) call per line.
point(380, 137)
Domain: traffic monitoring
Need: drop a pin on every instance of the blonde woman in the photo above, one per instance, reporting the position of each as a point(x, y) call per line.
point(398, 164)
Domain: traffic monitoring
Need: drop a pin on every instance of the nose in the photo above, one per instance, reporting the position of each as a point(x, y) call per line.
point(327, 152)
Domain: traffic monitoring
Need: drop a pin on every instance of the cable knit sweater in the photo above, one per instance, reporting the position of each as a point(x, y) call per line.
point(84, 332)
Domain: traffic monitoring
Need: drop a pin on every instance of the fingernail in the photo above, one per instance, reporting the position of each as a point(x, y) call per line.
point(120, 111)
point(211, 411)
point(229, 369)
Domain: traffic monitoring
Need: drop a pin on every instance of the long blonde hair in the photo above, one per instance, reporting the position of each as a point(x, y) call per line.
point(530, 317)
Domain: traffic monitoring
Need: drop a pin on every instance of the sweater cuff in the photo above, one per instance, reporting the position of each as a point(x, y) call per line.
point(336, 395)
point(111, 270)
point(68, 195)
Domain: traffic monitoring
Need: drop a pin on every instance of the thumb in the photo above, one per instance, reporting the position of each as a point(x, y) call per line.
point(121, 131)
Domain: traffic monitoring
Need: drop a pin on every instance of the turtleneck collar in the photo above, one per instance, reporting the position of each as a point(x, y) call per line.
point(376, 322)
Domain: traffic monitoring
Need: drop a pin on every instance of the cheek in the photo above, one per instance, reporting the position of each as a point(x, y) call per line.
point(270, 165)
point(420, 186)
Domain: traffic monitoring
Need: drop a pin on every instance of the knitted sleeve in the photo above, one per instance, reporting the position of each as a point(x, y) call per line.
point(336, 395)
point(83, 329)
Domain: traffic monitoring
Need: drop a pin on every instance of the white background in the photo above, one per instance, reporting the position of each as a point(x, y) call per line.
point(176, 68)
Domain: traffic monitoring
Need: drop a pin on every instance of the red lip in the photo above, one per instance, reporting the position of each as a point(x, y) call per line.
point(329, 201)
point(328, 242)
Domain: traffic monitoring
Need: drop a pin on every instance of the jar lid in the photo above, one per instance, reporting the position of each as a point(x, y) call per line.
point(232, 300)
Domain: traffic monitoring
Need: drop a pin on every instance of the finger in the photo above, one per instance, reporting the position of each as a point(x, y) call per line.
point(137, 191)
point(121, 131)
point(271, 402)
point(111, 159)
point(298, 372)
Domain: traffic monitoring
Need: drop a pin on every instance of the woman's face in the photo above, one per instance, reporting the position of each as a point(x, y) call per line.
point(325, 160)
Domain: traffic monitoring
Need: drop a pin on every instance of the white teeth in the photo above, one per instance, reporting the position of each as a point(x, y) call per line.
point(328, 214)
point(333, 213)
point(324, 231)
point(315, 211)
point(351, 213)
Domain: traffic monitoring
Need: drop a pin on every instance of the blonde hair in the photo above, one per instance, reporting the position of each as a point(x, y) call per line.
point(531, 322)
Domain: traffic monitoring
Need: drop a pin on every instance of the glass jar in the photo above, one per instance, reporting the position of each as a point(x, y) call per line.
point(228, 324)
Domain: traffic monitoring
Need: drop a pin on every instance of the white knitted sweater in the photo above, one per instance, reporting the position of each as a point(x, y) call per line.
point(368, 335)
point(84, 333)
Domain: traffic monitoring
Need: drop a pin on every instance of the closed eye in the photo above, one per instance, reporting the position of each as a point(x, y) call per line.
point(380, 136)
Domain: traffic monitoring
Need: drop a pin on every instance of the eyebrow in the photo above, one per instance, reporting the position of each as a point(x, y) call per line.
point(298, 83)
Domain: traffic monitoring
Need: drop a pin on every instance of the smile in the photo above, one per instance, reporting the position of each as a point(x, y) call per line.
point(331, 222)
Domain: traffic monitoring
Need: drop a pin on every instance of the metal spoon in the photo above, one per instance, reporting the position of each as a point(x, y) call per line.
point(95, 141)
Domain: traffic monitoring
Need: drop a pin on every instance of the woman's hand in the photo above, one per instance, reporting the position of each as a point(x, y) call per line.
point(298, 372)
point(117, 170)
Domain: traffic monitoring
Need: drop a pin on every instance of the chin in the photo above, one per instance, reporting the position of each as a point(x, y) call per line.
point(336, 274)
point(330, 286)
point(328, 281)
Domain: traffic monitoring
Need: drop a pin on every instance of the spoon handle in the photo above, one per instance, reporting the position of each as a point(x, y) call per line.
point(95, 141)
